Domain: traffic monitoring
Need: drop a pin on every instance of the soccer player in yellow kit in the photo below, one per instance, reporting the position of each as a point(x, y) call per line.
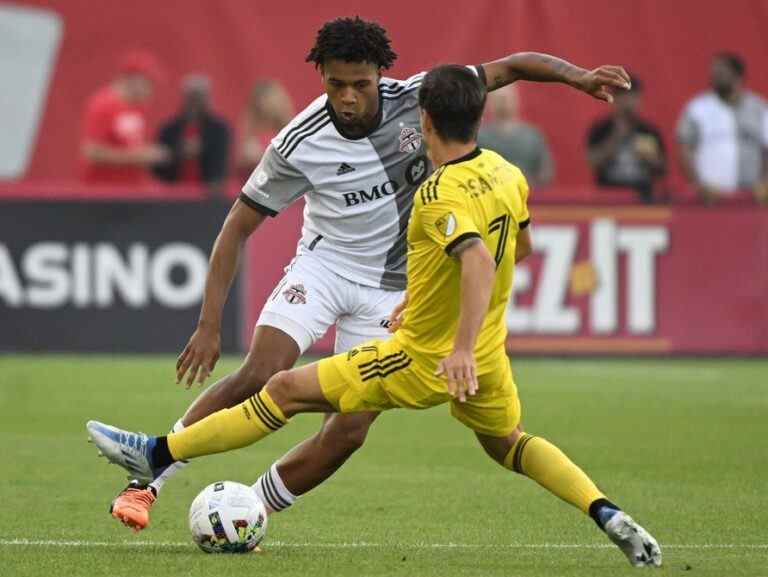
point(468, 227)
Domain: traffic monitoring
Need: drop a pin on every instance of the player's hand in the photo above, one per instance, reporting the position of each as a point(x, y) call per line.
point(199, 357)
point(600, 82)
point(459, 369)
point(397, 315)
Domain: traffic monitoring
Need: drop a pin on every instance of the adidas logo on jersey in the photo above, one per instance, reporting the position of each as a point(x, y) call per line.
point(344, 168)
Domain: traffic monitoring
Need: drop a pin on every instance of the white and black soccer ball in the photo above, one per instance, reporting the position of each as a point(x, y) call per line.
point(227, 517)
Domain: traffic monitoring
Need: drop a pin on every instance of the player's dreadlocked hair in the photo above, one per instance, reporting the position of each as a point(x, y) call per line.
point(352, 40)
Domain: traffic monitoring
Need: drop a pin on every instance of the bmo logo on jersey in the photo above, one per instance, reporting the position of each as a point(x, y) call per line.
point(595, 278)
point(377, 192)
point(53, 274)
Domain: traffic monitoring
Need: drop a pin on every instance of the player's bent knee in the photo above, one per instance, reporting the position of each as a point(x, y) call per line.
point(499, 448)
point(285, 390)
point(279, 386)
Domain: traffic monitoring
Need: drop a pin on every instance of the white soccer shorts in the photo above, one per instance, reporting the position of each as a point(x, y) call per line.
point(311, 298)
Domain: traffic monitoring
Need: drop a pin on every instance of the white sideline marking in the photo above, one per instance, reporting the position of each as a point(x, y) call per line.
point(365, 545)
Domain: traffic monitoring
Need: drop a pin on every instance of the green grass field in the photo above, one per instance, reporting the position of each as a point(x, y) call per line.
point(680, 444)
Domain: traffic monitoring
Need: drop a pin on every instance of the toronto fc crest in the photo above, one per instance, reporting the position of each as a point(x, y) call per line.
point(410, 140)
point(296, 294)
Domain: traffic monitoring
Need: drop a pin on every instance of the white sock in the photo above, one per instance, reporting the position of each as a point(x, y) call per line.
point(273, 492)
point(172, 469)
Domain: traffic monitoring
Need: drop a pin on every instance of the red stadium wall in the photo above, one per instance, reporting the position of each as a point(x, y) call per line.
point(668, 44)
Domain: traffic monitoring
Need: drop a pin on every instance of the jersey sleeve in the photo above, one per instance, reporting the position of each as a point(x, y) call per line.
point(444, 216)
point(274, 184)
point(523, 216)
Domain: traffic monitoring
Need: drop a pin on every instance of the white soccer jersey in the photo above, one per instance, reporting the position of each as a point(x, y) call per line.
point(358, 192)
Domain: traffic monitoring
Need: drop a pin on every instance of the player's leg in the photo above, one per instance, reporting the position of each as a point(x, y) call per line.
point(225, 430)
point(344, 387)
point(348, 382)
point(494, 415)
point(287, 393)
point(271, 351)
point(289, 323)
point(302, 321)
point(301, 469)
point(540, 460)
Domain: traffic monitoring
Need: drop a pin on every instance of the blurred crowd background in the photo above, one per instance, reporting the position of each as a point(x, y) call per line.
point(192, 93)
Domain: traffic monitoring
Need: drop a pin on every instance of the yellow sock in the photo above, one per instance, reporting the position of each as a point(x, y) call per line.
point(228, 429)
point(541, 461)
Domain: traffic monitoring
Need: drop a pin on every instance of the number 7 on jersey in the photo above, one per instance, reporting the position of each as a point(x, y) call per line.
point(500, 224)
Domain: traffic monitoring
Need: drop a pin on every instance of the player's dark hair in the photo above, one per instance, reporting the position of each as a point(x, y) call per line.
point(734, 62)
point(352, 40)
point(453, 97)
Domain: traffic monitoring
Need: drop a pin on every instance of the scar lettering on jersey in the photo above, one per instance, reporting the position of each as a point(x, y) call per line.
point(475, 186)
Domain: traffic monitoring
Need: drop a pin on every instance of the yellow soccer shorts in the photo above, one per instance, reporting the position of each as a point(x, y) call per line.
point(381, 375)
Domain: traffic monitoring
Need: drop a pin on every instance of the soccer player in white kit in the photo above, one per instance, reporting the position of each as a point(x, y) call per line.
point(356, 156)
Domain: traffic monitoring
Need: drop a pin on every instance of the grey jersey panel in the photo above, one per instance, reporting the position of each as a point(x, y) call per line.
point(399, 145)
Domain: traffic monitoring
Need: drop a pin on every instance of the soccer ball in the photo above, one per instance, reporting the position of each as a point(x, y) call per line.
point(227, 517)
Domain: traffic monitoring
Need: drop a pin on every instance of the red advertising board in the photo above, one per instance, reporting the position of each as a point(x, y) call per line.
point(653, 280)
point(619, 279)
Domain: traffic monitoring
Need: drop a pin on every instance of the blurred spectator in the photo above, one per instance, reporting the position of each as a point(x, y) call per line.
point(115, 147)
point(723, 135)
point(269, 108)
point(626, 150)
point(198, 139)
point(518, 142)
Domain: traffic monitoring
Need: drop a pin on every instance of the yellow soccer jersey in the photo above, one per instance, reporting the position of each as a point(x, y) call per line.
point(479, 195)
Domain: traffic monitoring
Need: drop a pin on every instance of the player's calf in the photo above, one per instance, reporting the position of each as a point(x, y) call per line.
point(345, 434)
point(314, 460)
point(227, 429)
point(541, 461)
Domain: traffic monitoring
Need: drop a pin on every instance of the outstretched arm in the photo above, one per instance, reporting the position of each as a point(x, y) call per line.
point(539, 67)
